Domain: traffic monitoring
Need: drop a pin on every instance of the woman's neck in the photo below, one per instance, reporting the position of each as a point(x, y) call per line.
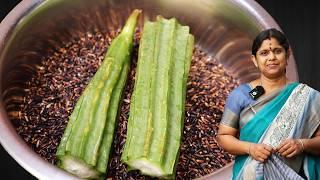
point(271, 84)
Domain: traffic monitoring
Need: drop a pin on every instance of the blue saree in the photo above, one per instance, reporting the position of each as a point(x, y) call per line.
point(292, 113)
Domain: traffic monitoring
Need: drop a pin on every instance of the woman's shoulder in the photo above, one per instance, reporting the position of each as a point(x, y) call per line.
point(241, 90)
point(313, 90)
point(240, 94)
point(239, 98)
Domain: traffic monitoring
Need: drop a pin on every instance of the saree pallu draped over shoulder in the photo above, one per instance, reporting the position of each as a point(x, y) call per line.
point(293, 113)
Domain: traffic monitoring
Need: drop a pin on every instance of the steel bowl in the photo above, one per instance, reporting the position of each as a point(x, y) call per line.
point(223, 28)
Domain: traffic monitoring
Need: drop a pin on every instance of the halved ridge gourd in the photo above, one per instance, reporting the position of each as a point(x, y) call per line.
point(85, 145)
point(156, 119)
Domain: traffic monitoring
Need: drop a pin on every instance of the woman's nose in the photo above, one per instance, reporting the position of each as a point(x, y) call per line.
point(272, 55)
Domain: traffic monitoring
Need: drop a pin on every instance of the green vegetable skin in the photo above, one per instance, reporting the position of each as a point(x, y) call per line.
point(85, 145)
point(156, 118)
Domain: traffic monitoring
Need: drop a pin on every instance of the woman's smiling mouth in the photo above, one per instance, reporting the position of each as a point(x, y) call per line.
point(272, 65)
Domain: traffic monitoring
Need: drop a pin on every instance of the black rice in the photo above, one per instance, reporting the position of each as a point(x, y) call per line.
point(53, 91)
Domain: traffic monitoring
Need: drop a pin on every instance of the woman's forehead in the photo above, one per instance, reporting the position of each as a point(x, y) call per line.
point(270, 43)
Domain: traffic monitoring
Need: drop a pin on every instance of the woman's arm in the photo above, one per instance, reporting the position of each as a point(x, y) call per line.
point(227, 139)
point(312, 145)
point(292, 147)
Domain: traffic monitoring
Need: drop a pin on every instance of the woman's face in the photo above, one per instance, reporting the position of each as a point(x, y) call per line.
point(271, 59)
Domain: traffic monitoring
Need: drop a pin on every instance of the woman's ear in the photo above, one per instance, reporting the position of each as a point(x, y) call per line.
point(254, 60)
point(288, 53)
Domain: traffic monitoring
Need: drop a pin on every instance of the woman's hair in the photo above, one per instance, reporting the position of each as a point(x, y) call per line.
point(268, 34)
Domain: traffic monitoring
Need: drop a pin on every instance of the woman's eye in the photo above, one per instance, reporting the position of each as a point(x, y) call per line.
point(278, 51)
point(264, 53)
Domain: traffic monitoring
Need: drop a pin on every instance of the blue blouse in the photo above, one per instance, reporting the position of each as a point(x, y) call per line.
point(237, 101)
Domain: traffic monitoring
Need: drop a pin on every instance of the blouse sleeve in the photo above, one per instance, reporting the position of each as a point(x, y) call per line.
point(232, 109)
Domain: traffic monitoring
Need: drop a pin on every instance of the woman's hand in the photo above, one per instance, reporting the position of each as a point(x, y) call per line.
point(290, 148)
point(260, 152)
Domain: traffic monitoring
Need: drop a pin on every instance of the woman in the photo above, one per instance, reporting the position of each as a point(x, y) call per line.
point(272, 124)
